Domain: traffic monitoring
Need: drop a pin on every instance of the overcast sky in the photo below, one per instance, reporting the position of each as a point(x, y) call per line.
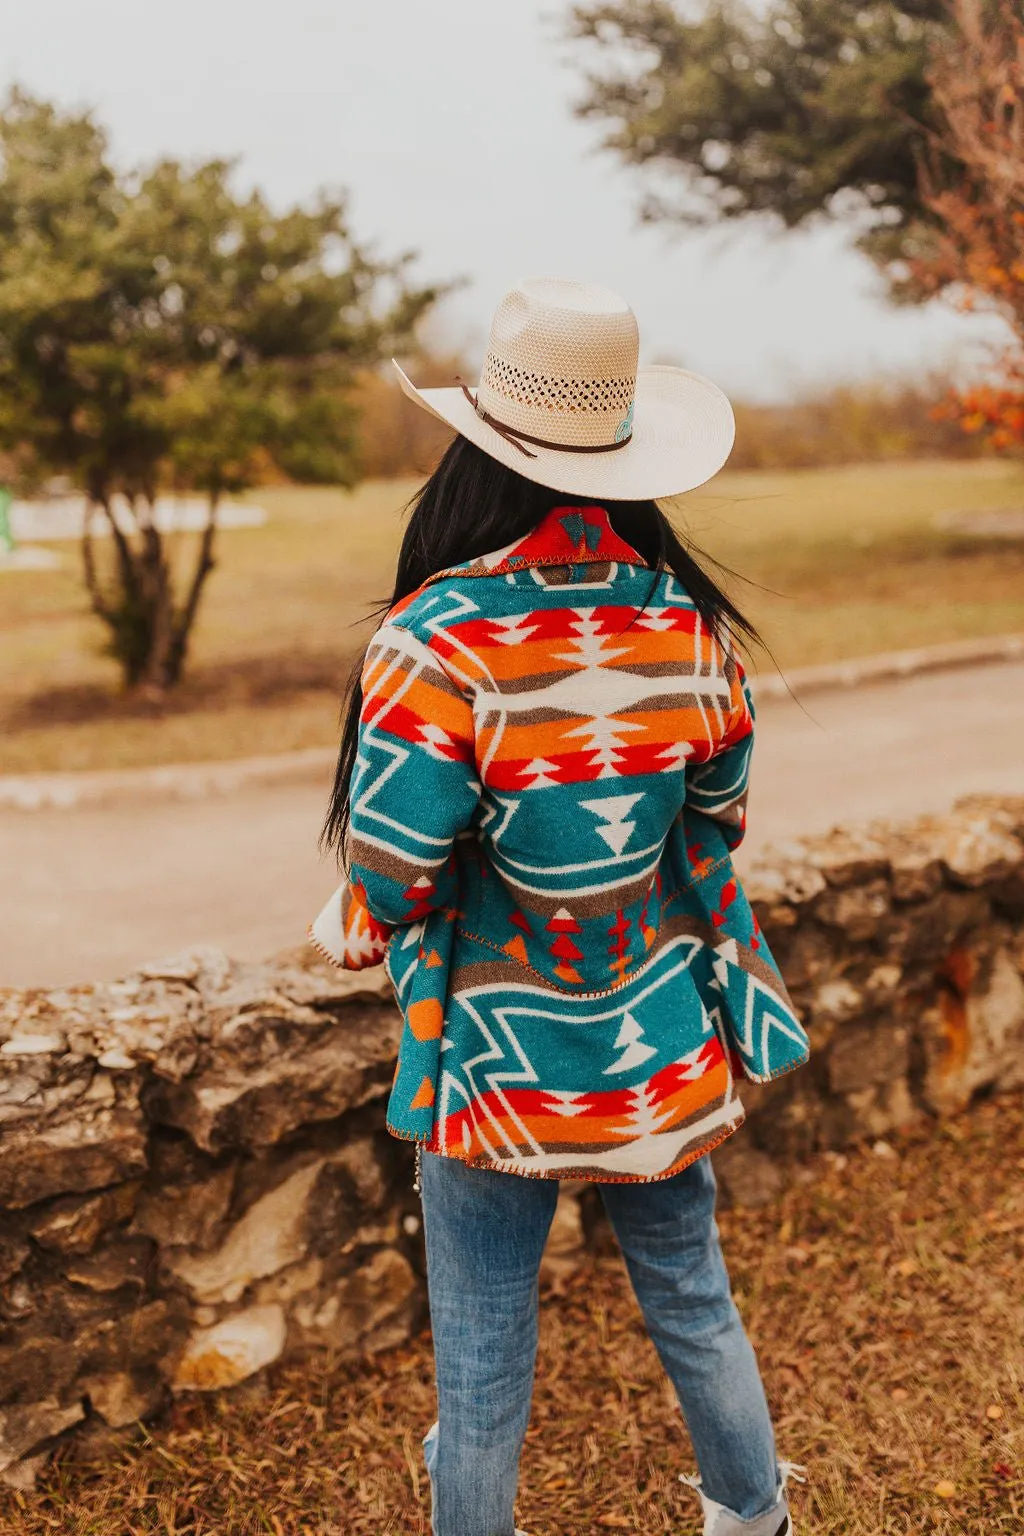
point(449, 123)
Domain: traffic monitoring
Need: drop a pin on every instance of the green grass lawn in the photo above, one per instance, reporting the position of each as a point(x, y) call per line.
point(834, 563)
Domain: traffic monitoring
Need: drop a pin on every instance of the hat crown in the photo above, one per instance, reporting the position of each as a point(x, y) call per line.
point(561, 363)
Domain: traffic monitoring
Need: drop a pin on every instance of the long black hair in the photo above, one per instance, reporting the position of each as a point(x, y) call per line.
point(472, 505)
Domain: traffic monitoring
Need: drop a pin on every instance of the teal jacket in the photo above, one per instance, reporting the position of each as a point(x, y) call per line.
point(551, 780)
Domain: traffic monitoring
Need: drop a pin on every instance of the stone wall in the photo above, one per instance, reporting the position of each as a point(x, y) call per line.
point(195, 1178)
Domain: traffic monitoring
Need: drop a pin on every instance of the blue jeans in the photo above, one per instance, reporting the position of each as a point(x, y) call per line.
point(485, 1232)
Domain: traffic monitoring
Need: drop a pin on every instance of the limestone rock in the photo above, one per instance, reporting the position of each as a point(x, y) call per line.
point(916, 875)
point(353, 1186)
point(805, 960)
point(277, 1065)
point(100, 1140)
point(188, 1215)
point(999, 1012)
point(976, 848)
point(116, 1264)
point(39, 1088)
point(784, 873)
point(22, 1474)
point(13, 1252)
point(20, 1044)
point(375, 1234)
point(980, 1040)
point(857, 910)
point(848, 857)
point(83, 1333)
point(368, 1310)
point(359, 1162)
point(123, 1397)
point(838, 1000)
point(138, 1019)
point(883, 981)
point(34, 1368)
point(24, 1427)
point(863, 1054)
point(231, 1350)
point(880, 1108)
point(287, 1284)
point(920, 937)
point(74, 1225)
point(271, 1235)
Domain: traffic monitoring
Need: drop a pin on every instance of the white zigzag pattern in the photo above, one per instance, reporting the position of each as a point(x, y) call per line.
point(532, 1007)
point(754, 1019)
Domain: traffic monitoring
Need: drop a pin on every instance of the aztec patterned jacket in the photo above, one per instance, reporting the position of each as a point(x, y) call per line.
point(551, 776)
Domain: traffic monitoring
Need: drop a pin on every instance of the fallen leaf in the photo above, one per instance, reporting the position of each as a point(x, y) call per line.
point(945, 1489)
point(906, 1267)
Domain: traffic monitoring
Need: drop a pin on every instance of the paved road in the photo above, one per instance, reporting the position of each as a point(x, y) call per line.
point(91, 892)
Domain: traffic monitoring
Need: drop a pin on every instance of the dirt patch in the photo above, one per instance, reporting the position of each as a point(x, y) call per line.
point(251, 680)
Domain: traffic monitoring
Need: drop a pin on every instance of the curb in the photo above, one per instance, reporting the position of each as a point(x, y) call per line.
point(890, 665)
point(176, 781)
point(197, 781)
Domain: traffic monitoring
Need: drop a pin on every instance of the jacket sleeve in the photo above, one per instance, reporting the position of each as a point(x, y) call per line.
point(717, 788)
point(414, 789)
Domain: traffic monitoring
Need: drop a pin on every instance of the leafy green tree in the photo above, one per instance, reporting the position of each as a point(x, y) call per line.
point(805, 107)
point(157, 330)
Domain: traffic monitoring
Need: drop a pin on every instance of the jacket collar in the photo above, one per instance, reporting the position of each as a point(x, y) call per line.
point(565, 536)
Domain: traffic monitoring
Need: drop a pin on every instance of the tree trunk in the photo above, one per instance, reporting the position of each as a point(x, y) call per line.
point(98, 601)
point(181, 630)
point(148, 637)
point(122, 605)
point(158, 599)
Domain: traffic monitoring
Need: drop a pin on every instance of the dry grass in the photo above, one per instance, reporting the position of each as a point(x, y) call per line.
point(883, 1294)
point(843, 562)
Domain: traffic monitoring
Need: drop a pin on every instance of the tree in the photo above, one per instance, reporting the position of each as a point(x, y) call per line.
point(157, 330)
point(809, 106)
point(972, 184)
point(907, 114)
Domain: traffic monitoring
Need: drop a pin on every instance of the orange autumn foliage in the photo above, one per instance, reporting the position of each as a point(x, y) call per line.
point(989, 411)
point(973, 184)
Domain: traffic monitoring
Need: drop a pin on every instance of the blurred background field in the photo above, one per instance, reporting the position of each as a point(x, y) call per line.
point(179, 325)
point(832, 563)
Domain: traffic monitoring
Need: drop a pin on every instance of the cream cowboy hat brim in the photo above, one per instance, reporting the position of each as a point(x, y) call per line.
point(683, 432)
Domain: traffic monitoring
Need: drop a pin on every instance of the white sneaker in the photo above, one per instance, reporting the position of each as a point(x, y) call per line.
point(719, 1521)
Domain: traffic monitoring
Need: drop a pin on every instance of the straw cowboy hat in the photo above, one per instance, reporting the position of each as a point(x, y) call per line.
point(562, 401)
